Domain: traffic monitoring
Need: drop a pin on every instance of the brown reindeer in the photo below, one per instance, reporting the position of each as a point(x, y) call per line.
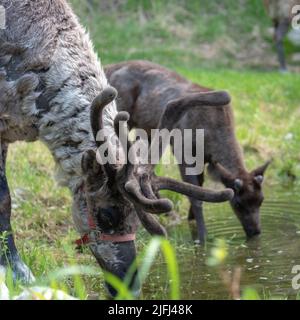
point(280, 11)
point(146, 89)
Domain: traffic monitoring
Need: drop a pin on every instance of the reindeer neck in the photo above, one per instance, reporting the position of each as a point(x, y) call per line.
point(66, 131)
point(226, 150)
point(65, 125)
point(234, 163)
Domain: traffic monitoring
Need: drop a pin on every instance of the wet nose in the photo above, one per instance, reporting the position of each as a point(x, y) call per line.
point(123, 268)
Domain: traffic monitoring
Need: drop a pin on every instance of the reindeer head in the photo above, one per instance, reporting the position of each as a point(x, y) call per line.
point(248, 196)
point(121, 195)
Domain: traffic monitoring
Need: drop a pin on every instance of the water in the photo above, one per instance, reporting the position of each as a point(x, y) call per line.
point(266, 262)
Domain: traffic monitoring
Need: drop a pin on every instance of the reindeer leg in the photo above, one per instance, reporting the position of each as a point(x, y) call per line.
point(9, 256)
point(173, 216)
point(196, 209)
point(281, 29)
point(191, 215)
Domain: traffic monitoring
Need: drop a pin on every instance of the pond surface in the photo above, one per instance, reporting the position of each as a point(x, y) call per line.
point(266, 262)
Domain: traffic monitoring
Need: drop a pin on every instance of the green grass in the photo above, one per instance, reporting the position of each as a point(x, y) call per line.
point(70, 278)
point(194, 33)
point(266, 107)
point(208, 42)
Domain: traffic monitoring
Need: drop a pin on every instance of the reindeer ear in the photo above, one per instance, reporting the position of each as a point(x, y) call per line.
point(225, 175)
point(89, 163)
point(260, 171)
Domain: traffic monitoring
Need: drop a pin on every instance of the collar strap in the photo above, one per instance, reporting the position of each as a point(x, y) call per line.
point(115, 238)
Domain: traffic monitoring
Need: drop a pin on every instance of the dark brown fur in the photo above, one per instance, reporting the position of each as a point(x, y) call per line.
point(145, 89)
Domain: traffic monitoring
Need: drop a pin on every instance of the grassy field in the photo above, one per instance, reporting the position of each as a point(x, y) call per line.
point(195, 33)
point(267, 114)
point(200, 40)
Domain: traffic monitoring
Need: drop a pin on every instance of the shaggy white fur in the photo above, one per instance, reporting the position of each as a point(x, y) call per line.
point(44, 38)
point(60, 52)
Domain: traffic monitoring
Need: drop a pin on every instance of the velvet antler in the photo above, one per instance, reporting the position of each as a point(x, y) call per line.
point(143, 185)
point(96, 117)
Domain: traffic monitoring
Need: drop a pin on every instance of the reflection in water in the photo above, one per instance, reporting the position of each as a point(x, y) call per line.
point(266, 261)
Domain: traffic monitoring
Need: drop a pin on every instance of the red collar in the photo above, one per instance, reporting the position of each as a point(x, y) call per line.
point(86, 240)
